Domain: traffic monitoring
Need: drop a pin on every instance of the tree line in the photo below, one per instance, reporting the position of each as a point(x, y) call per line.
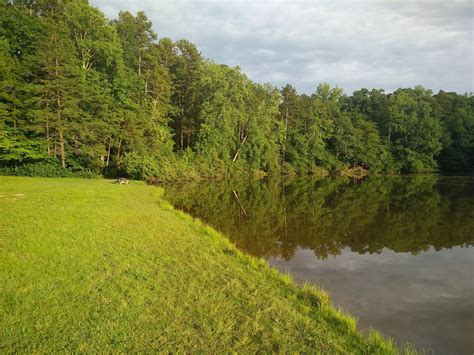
point(82, 93)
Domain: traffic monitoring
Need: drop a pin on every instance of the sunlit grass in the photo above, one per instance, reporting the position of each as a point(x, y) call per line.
point(87, 265)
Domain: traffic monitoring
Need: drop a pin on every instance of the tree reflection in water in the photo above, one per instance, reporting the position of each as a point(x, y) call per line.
point(274, 217)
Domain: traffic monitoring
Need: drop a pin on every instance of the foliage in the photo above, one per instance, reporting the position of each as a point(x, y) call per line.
point(414, 132)
point(113, 98)
point(457, 121)
point(45, 169)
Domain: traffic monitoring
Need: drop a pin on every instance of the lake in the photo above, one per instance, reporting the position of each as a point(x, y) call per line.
point(395, 252)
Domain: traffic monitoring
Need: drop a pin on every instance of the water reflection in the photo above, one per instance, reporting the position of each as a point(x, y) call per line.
point(396, 252)
point(275, 217)
point(425, 299)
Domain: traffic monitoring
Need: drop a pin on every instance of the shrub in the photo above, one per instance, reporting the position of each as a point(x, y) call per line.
point(45, 169)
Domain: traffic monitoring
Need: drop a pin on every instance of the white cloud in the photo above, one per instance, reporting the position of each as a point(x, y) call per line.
point(382, 44)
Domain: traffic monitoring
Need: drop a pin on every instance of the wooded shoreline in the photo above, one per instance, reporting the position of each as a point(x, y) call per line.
point(82, 95)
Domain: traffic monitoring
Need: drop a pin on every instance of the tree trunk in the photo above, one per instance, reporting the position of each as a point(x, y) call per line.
point(118, 152)
point(108, 156)
point(61, 130)
point(63, 152)
point(48, 143)
point(139, 65)
point(181, 128)
point(238, 151)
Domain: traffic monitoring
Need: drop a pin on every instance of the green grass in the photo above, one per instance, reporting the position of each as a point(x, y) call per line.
point(87, 265)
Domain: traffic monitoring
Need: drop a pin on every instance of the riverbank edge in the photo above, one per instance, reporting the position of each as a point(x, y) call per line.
point(313, 294)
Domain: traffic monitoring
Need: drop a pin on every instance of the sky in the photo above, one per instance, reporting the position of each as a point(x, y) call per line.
point(353, 44)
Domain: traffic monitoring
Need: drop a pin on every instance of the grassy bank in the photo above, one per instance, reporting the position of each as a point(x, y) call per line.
point(87, 265)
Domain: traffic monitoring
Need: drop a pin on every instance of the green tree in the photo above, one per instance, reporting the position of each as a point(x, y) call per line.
point(56, 91)
point(186, 72)
point(457, 119)
point(111, 97)
point(289, 109)
point(414, 130)
point(137, 38)
point(16, 143)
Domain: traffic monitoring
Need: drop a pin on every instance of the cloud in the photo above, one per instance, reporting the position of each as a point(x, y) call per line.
point(353, 44)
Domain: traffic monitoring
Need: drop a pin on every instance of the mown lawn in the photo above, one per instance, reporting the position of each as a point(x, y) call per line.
point(87, 265)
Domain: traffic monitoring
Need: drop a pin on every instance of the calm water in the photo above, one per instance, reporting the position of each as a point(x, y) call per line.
point(395, 252)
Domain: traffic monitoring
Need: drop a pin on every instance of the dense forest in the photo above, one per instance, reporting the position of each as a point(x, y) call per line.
point(82, 94)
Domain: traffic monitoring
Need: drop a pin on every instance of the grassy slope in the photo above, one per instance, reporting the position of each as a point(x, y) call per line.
point(89, 265)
